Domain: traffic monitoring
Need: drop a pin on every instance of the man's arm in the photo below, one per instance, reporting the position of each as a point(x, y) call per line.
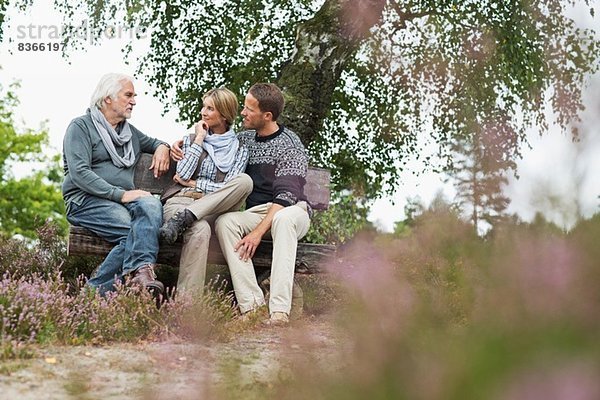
point(288, 188)
point(290, 177)
point(160, 150)
point(160, 160)
point(77, 148)
point(248, 244)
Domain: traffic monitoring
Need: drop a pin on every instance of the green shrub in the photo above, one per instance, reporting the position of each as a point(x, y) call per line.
point(345, 217)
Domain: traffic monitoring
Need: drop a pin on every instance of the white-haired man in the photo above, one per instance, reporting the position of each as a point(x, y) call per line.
point(100, 150)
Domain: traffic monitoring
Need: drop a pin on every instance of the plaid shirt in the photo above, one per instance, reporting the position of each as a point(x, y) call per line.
point(206, 178)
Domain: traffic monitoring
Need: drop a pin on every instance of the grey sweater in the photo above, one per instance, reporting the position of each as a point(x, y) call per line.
point(88, 167)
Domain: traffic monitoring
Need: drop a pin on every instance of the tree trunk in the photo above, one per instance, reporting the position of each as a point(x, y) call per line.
point(324, 45)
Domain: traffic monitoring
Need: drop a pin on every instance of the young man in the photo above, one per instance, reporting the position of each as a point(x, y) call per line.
point(276, 206)
point(100, 150)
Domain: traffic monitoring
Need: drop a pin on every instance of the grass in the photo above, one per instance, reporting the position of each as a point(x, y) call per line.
point(77, 385)
point(437, 314)
point(11, 366)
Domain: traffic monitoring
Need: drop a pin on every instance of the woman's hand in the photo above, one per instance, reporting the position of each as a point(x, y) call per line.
point(176, 152)
point(188, 183)
point(201, 132)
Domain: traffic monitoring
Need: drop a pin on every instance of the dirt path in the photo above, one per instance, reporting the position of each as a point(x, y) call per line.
point(172, 369)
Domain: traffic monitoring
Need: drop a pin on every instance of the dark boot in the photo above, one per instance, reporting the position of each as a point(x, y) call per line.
point(146, 278)
point(173, 228)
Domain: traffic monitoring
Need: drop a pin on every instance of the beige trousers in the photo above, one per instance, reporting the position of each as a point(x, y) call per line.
point(289, 225)
point(194, 253)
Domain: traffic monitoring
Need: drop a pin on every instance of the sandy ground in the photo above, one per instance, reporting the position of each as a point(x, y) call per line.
point(172, 369)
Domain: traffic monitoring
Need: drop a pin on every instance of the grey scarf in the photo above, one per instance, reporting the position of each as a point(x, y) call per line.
point(222, 149)
point(110, 137)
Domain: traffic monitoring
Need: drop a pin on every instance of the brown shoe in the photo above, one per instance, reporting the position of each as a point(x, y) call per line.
point(146, 278)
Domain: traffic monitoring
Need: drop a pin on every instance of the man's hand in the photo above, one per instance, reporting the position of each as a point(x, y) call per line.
point(176, 152)
point(189, 182)
point(247, 245)
point(160, 161)
point(131, 195)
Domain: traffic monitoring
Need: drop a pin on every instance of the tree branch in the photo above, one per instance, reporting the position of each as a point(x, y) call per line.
point(407, 15)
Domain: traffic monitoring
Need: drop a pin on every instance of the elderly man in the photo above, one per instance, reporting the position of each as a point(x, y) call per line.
point(276, 206)
point(100, 152)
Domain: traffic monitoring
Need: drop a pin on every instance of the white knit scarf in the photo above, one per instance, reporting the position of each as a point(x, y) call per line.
point(110, 137)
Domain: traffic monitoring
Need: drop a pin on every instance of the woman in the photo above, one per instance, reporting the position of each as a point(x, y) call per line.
point(209, 181)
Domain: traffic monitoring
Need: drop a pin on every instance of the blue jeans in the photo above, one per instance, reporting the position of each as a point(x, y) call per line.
point(132, 227)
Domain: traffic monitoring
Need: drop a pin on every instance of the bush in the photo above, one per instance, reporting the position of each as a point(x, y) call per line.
point(42, 310)
point(39, 305)
point(345, 217)
point(43, 257)
point(443, 314)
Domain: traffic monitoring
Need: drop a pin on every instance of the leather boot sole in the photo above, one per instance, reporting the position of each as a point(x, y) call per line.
point(157, 290)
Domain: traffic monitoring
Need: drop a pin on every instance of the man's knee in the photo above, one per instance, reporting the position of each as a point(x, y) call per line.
point(222, 221)
point(150, 202)
point(290, 218)
point(150, 205)
point(225, 222)
point(282, 220)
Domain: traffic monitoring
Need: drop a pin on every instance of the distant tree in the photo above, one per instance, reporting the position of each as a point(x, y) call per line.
point(365, 78)
point(26, 202)
point(479, 172)
point(441, 204)
point(412, 210)
point(541, 224)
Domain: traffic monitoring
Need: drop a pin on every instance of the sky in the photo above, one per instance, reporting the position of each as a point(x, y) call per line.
point(557, 177)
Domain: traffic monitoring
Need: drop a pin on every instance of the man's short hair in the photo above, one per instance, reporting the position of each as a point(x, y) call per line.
point(269, 97)
point(225, 102)
point(109, 86)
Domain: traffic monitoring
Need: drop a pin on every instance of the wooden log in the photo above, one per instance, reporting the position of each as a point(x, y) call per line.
point(309, 258)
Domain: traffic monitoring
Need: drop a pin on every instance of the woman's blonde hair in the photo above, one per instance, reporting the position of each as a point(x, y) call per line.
point(225, 102)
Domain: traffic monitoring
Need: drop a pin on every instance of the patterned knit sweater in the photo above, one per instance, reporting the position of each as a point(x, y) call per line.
point(277, 166)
